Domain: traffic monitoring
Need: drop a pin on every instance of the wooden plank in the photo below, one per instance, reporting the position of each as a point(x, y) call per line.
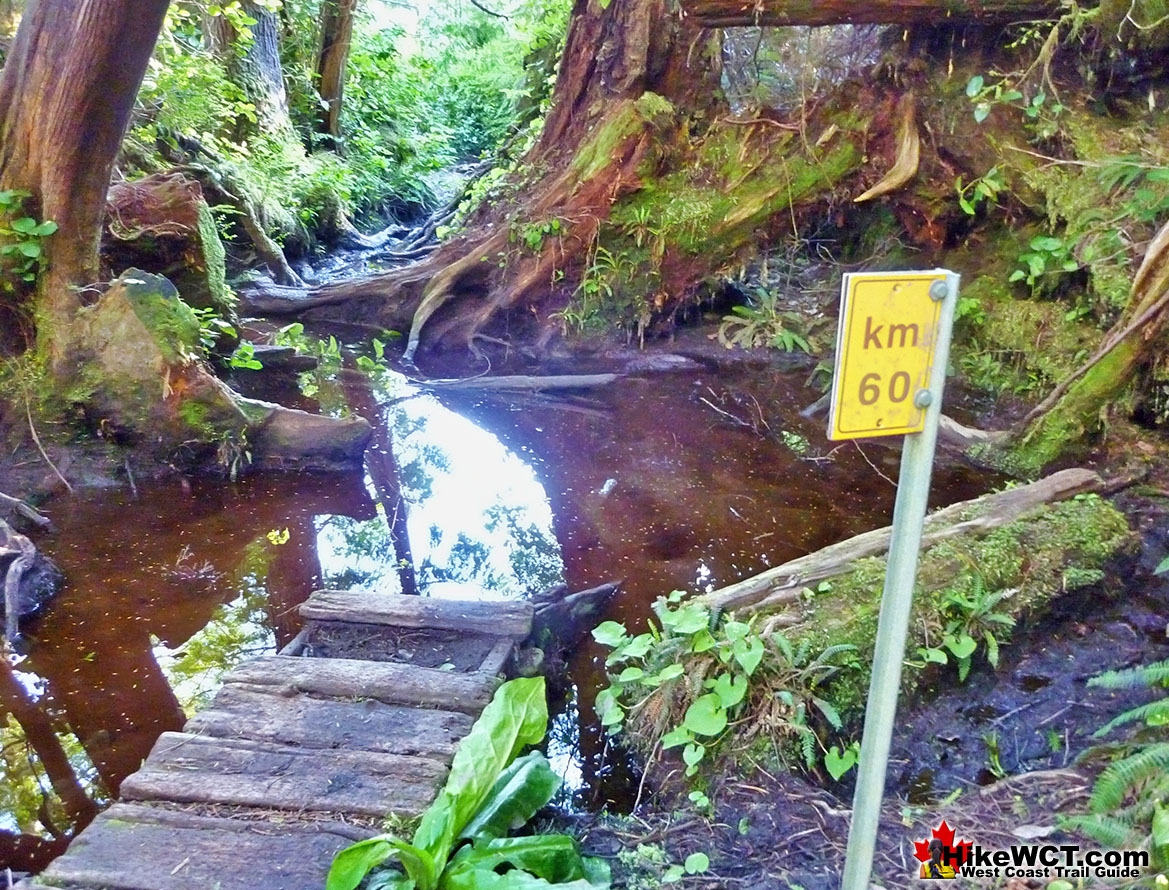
point(132, 847)
point(249, 713)
point(501, 618)
point(389, 682)
point(195, 769)
point(498, 657)
point(782, 584)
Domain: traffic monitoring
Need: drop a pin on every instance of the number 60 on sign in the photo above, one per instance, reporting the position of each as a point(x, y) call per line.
point(884, 353)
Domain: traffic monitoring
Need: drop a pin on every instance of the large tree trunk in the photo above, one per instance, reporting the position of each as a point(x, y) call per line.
point(254, 64)
point(639, 188)
point(336, 38)
point(65, 98)
point(730, 13)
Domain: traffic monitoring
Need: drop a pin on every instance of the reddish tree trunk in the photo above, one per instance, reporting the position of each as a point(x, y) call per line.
point(66, 93)
point(336, 38)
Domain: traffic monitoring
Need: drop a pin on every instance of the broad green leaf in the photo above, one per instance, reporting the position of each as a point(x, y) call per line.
point(1046, 242)
point(609, 633)
point(630, 674)
point(692, 755)
point(736, 630)
point(669, 672)
point(981, 111)
point(634, 648)
point(25, 225)
point(730, 689)
point(702, 641)
point(937, 656)
point(705, 716)
point(676, 737)
point(673, 874)
point(689, 619)
point(521, 790)
point(516, 717)
point(749, 659)
point(353, 863)
point(1161, 830)
point(962, 646)
point(48, 227)
point(30, 249)
point(554, 858)
point(838, 763)
point(974, 85)
point(696, 863)
point(1162, 567)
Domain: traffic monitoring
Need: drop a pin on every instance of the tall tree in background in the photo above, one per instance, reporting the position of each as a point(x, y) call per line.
point(251, 51)
point(336, 38)
point(66, 93)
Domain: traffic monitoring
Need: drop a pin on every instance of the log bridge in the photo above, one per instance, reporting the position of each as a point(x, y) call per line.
point(300, 754)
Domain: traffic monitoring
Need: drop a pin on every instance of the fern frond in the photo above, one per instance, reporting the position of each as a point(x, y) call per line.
point(1154, 713)
point(1156, 674)
point(1108, 830)
point(1122, 777)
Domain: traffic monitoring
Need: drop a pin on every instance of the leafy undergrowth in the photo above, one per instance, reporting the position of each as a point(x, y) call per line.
point(461, 842)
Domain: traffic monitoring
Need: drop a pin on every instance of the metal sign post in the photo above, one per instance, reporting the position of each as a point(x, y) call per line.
point(893, 344)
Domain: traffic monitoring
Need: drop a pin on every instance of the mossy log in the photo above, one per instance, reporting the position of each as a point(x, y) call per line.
point(731, 13)
point(783, 584)
point(1074, 407)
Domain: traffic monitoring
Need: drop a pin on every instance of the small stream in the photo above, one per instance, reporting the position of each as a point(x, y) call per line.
point(664, 479)
point(499, 496)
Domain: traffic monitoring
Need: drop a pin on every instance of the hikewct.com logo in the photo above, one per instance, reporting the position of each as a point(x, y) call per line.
point(942, 858)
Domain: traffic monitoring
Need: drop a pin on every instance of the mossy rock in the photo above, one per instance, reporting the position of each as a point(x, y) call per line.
point(137, 374)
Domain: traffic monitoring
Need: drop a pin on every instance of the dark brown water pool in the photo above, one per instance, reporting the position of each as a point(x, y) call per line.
point(665, 480)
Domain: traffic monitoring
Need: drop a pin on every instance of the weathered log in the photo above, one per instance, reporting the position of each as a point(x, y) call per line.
point(250, 712)
point(975, 517)
point(387, 682)
point(135, 847)
point(526, 382)
point(192, 769)
point(504, 619)
point(746, 13)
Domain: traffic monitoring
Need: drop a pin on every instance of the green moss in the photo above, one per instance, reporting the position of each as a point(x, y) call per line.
point(222, 297)
point(170, 321)
point(625, 122)
point(1054, 549)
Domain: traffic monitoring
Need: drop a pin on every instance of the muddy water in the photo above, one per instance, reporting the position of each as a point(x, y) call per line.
point(662, 480)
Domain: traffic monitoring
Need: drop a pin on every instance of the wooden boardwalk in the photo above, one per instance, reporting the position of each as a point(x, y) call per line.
point(302, 753)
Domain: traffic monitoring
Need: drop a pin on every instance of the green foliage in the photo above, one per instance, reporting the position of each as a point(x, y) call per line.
point(984, 190)
point(986, 95)
point(1047, 255)
point(1151, 676)
point(460, 842)
point(1127, 807)
point(694, 674)
point(22, 240)
point(966, 615)
point(763, 322)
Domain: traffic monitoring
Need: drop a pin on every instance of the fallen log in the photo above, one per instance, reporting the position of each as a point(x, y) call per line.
point(784, 583)
point(747, 13)
point(525, 382)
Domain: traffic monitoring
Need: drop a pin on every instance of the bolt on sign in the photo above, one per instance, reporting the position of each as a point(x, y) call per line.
point(885, 341)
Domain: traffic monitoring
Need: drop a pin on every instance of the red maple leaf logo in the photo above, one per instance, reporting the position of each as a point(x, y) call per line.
point(957, 854)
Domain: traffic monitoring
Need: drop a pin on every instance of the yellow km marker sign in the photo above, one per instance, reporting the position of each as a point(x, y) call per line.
point(884, 353)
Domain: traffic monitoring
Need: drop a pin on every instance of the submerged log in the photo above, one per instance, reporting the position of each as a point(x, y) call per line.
point(746, 13)
point(30, 579)
point(784, 583)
